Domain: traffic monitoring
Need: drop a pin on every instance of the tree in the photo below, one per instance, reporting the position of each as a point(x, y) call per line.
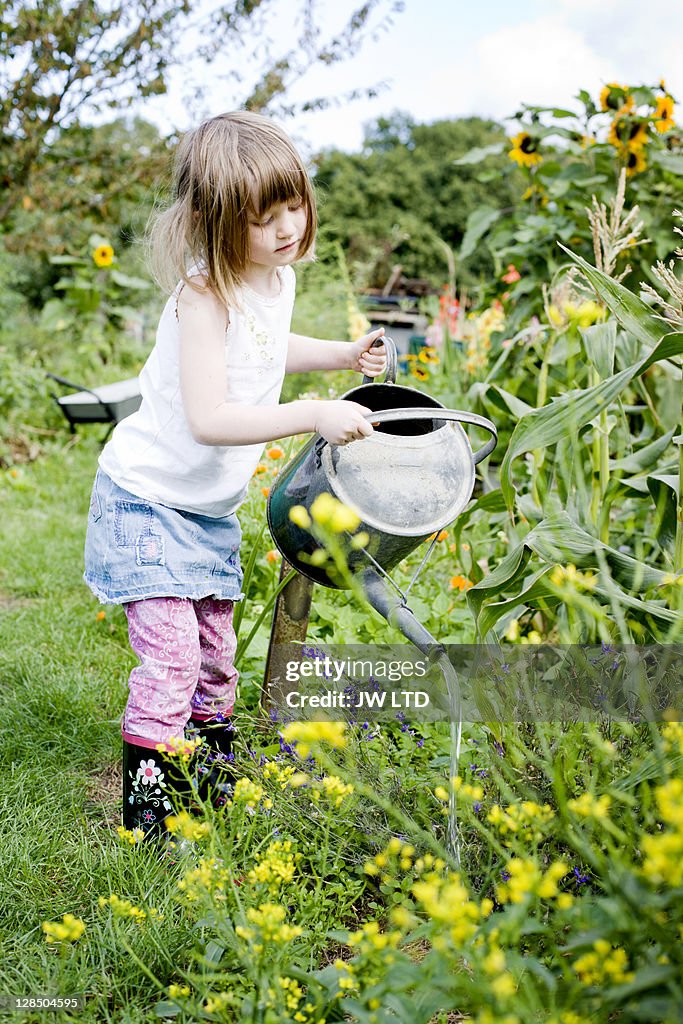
point(60, 62)
point(402, 197)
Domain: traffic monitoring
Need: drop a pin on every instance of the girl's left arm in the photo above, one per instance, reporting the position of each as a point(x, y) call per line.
point(306, 354)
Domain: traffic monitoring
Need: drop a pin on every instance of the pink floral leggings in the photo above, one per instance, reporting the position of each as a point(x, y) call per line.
point(186, 650)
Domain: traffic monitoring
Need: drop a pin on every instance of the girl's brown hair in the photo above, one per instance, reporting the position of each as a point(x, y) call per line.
point(229, 169)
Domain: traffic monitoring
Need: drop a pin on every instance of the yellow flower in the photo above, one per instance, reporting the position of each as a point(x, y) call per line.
point(663, 115)
point(616, 98)
point(219, 1002)
point(628, 133)
point(328, 511)
point(307, 735)
point(124, 908)
point(268, 921)
point(635, 163)
point(359, 325)
point(300, 517)
point(132, 836)
point(525, 150)
point(335, 790)
point(275, 866)
point(103, 256)
point(178, 991)
point(589, 806)
point(275, 452)
point(503, 985)
point(603, 965)
point(250, 794)
point(184, 825)
point(69, 929)
point(179, 746)
point(571, 578)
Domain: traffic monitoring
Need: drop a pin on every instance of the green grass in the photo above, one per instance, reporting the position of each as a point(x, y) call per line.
point(63, 675)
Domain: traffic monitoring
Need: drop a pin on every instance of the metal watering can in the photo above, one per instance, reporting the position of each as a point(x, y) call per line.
point(412, 477)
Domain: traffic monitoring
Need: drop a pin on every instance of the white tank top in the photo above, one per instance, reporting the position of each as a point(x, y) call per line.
point(153, 454)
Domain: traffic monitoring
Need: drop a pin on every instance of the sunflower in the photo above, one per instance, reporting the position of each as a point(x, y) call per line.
point(635, 162)
point(628, 133)
point(616, 98)
point(663, 115)
point(525, 150)
point(419, 373)
point(103, 256)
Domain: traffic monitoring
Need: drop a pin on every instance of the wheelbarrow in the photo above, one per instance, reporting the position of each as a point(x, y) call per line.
point(108, 403)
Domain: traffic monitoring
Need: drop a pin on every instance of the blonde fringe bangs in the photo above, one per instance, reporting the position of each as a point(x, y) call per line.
point(229, 169)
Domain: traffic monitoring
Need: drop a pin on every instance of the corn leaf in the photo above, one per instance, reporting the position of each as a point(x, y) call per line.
point(631, 312)
point(563, 416)
point(644, 458)
point(600, 343)
point(559, 540)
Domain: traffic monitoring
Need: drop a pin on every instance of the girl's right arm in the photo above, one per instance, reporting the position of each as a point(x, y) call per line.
point(213, 421)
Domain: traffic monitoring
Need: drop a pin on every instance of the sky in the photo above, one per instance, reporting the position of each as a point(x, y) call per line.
point(454, 58)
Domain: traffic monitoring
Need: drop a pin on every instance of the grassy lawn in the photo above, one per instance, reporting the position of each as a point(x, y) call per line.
point(63, 673)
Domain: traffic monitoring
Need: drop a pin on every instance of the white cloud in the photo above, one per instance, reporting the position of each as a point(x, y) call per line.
point(539, 62)
point(442, 66)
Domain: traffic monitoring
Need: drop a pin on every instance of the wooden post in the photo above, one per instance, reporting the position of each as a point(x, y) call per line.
point(290, 623)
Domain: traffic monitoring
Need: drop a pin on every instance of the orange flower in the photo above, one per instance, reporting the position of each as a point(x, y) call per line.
point(260, 469)
point(275, 452)
point(460, 583)
point(101, 616)
point(265, 491)
point(442, 534)
point(272, 556)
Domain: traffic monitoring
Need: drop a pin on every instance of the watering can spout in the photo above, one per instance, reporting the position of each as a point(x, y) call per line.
point(385, 601)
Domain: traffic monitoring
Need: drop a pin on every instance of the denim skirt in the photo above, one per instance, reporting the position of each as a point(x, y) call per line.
point(135, 548)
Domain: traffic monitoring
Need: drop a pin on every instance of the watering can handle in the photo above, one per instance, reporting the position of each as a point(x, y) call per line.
point(435, 413)
point(392, 360)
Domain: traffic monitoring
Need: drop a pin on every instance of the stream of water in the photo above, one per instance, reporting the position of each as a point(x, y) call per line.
point(453, 844)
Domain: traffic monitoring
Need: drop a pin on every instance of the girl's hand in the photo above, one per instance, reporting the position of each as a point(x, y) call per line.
point(340, 422)
point(366, 359)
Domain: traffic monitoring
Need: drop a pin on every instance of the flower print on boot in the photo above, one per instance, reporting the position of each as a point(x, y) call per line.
point(153, 782)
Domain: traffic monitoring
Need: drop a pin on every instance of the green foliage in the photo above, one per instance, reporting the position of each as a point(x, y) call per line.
point(96, 303)
point(60, 62)
point(402, 198)
point(558, 161)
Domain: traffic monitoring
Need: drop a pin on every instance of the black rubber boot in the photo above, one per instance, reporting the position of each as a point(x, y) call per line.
point(213, 760)
point(153, 784)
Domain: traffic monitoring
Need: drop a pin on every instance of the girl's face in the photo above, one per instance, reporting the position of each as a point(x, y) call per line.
point(275, 237)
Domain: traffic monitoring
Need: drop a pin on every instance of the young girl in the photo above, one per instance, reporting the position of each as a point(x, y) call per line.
point(163, 536)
